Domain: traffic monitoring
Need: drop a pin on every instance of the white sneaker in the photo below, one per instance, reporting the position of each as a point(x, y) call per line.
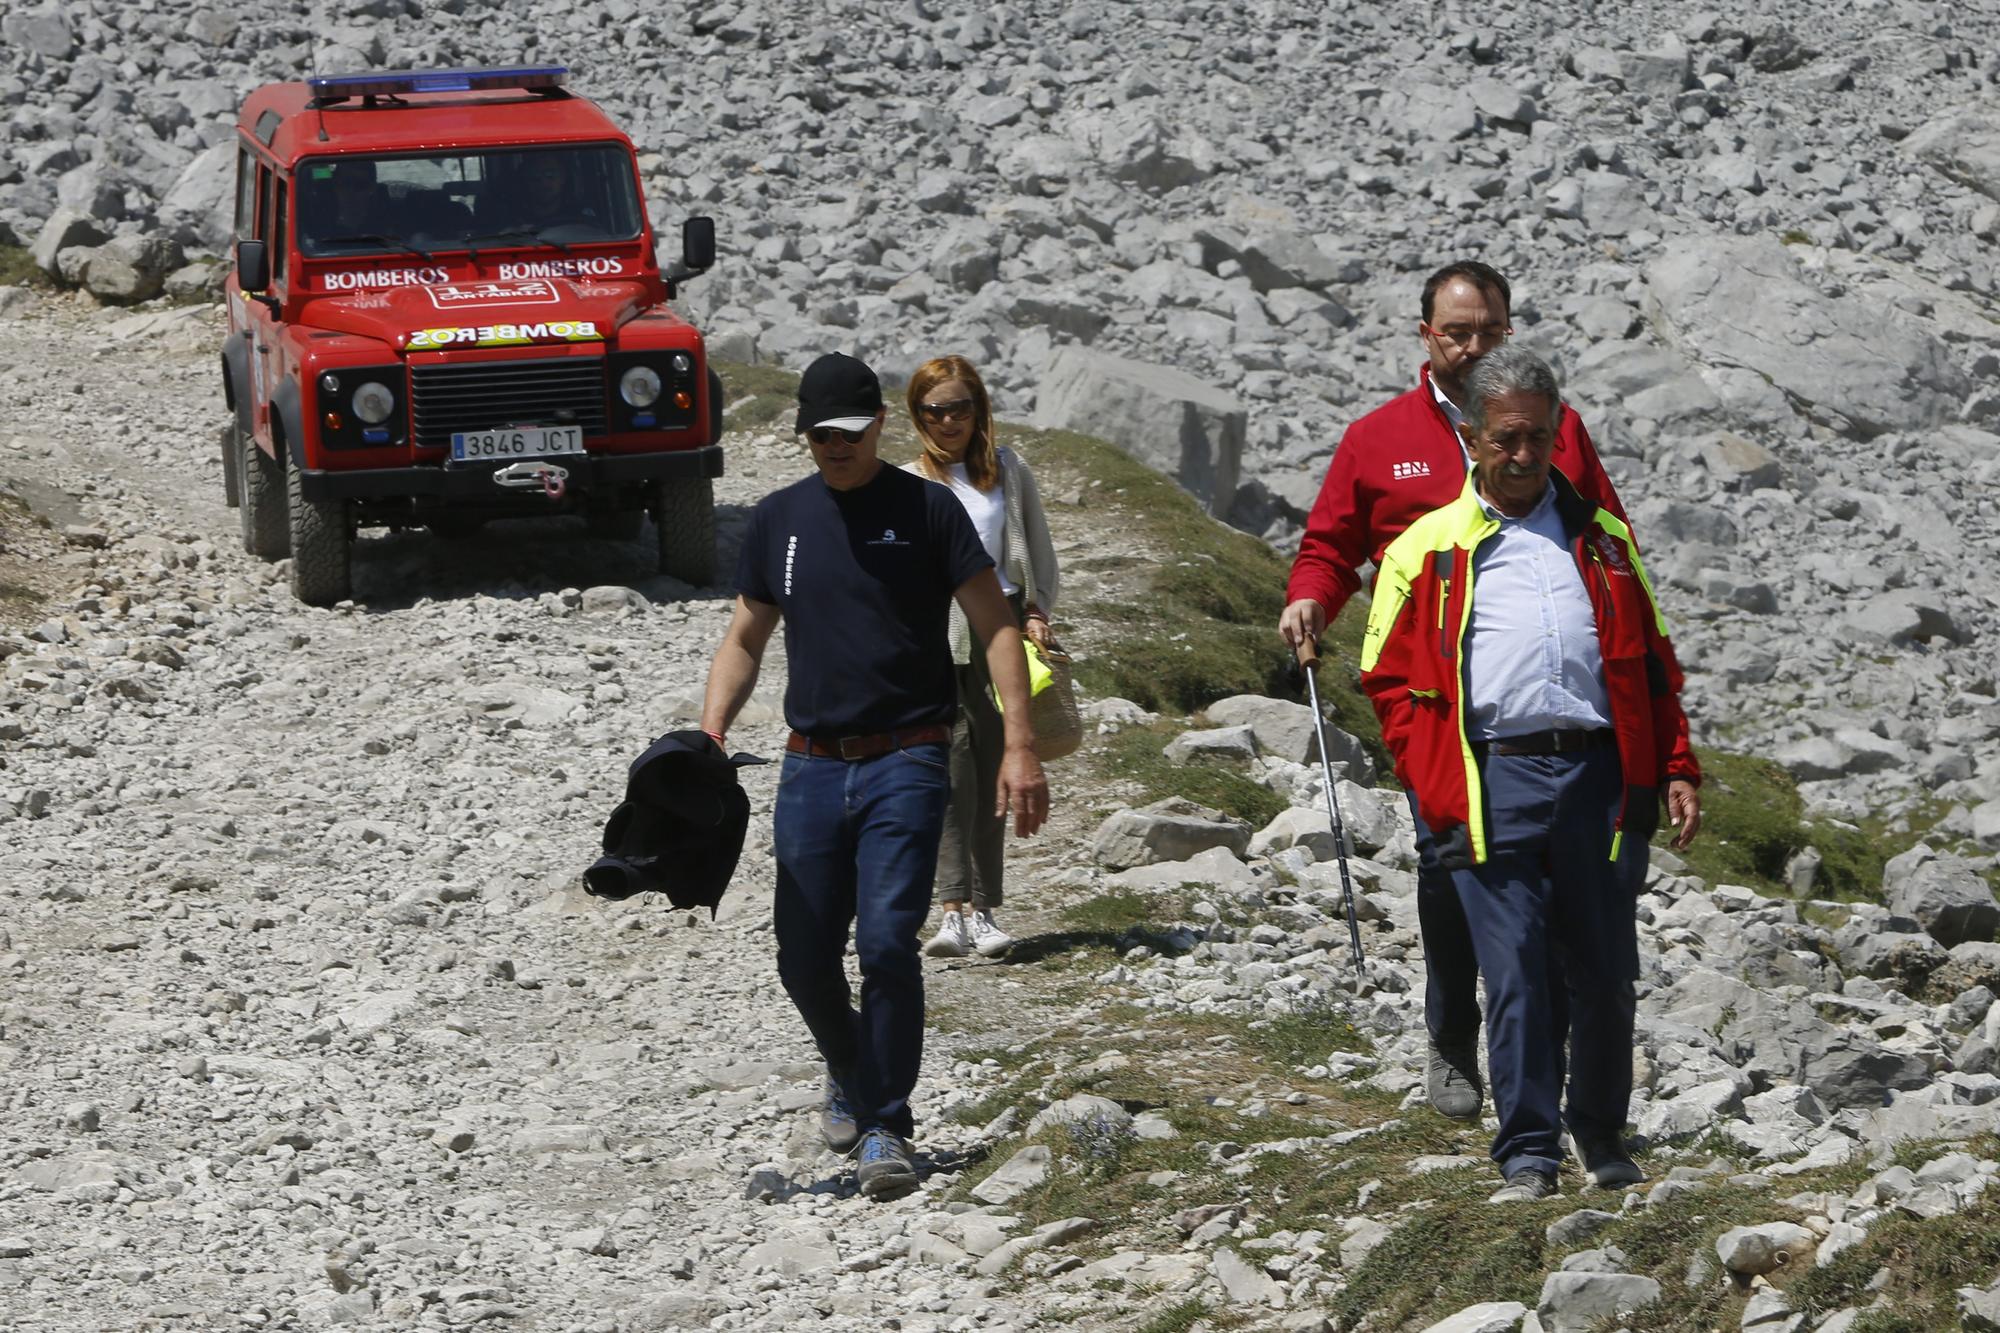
point(950, 941)
point(989, 939)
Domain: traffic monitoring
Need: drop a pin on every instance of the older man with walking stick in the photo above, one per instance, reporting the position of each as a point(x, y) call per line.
point(1526, 686)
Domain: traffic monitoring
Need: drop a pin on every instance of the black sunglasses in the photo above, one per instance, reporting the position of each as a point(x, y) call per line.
point(823, 435)
point(958, 409)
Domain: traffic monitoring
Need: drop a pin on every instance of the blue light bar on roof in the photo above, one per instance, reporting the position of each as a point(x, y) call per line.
point(389, 83)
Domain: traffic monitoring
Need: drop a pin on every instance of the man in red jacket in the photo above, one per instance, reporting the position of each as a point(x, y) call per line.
point(1401, 461)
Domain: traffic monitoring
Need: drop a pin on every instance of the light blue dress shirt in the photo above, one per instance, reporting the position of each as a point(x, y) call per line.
point(1531, 655)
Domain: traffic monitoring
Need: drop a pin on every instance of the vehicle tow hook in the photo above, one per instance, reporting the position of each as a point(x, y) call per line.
point(553, 480)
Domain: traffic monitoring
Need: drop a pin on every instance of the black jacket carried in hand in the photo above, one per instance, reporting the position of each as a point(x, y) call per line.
point(679, 830)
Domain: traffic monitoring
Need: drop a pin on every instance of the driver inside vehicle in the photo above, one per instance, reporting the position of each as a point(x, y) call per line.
point(540, 196)
point(349, 204)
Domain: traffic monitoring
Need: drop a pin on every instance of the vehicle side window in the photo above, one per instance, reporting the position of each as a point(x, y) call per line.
point(278, 244)
point(246, 193)
point(263, 230)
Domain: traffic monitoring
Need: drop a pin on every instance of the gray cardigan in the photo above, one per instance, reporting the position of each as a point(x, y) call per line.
point(1027, 552)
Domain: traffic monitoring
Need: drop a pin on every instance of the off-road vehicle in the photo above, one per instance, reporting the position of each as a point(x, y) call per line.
point(446, 307)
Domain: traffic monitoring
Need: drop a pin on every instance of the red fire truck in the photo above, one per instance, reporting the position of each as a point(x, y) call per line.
point(446, 308)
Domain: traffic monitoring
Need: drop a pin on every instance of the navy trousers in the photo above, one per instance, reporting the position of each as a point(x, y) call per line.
point(1550, 891)
point(857, 844)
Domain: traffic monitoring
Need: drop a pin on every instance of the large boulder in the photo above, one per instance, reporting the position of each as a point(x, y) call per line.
point(1145, 149)
point(1841, 361)
point(1574, 1302)
point(44, 32)
point(1285, 730)
point(1165, 418)
point(1963, 145)
point(1945, 895)
point(65, 230)
point(1276, 260)
point(201, 195)
point(127, 269)
point(1169, 830)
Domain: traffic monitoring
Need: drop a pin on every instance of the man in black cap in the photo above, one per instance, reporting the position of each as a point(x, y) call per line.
point(862, 562)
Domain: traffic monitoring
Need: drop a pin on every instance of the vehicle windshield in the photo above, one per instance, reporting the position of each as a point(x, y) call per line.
point(570, 194)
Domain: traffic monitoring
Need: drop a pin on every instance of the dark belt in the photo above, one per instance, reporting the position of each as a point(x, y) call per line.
point(1567, 741)
point(867, 747)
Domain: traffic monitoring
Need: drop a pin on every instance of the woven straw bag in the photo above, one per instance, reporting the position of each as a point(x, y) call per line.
point(1053, 710)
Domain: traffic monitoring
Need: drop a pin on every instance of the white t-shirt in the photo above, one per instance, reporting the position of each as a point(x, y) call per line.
point(988, 512)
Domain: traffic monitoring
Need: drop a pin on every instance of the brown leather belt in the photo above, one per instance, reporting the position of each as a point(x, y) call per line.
point(1567, 741)
point(867, 747)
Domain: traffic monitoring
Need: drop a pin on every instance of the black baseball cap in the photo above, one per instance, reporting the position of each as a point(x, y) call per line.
point(838, 391)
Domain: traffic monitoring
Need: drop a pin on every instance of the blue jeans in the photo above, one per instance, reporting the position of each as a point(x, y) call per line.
point(1550, 907)
point(857, 844)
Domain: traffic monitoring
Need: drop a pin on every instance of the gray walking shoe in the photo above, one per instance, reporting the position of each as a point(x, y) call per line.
point(1452, 1081)
point(1525, 1187)
point(836, 1118)
point(886, 1168)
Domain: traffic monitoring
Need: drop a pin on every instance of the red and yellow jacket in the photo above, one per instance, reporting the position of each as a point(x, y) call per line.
point(1394, 466)
point(1412, 663)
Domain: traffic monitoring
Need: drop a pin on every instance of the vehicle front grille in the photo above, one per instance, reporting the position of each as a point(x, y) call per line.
point(487, 395)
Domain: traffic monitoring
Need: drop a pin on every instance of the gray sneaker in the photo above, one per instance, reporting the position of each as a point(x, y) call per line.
point(1452, 1081)
point(836, 1118)
point(1525, 1187)
point(886, 1169)
point(1606, 1162)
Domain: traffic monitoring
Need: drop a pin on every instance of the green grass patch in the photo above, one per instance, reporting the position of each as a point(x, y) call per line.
point(1927, 1259)
point(760, 395)
point(19, 269)
point(1446, 1257)
point(1134, 755)
point(1202, 624)
point(1177, 1318)
point(1753, 821)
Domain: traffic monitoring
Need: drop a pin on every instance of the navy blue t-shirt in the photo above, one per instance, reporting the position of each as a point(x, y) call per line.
point(864, 580)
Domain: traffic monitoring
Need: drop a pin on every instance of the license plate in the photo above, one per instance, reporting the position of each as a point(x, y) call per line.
point(476, 446)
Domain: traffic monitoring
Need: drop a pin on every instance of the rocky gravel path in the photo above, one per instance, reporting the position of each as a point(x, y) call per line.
point(303, 1015)
point(305, 1020)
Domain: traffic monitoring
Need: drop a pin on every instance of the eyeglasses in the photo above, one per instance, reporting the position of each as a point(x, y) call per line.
point(1459, 335)
point(958, 409)
point(823, 435)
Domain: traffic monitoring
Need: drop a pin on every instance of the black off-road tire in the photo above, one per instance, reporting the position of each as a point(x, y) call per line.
point(684, 516)
point(614, 525)
point(322, 549)
point(232, 458)
point(261, 498)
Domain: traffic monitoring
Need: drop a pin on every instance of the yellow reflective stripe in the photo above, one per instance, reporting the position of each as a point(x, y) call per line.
point(1426, 694)
point(1617, 841)
point(1475, 822)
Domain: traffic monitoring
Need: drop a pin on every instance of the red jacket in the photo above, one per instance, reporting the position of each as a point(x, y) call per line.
point(1394, 465)
point(1412, 665)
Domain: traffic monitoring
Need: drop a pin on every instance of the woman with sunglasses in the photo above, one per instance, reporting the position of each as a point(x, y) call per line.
point(954, 420)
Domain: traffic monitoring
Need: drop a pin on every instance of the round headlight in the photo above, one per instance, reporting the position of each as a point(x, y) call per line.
point(640, 386)
point(373, 403)
point(683, 363)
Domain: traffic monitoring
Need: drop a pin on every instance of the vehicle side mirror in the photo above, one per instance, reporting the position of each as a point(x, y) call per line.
point(698, 243)
point(253, 266)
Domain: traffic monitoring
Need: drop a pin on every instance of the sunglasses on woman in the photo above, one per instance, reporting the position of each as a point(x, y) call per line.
point(824, 435)
point(958, 409)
